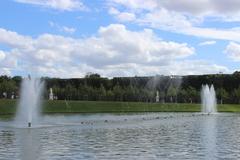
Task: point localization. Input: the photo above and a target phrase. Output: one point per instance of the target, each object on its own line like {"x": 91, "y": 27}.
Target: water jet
{"x": 208, "y": 98}
{"x": 30, "y": 100}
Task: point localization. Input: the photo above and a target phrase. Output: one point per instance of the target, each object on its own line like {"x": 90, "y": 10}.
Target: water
{"x": 133, "y": 136}
{"x": 208, "y": 97}
{"x": 30, "y": 101}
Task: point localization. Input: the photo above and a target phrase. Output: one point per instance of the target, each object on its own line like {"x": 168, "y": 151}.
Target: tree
{"x": 92, "y": 75}
{"x": 85, "y": 92}
{"x": 222, "y": 94}
{"x": 110, "y": 95}
{"x": 102, "y": 92}
{"x": 70, "y": 92}
{"x": 9, "y": 87}
{"x": 117, "y": 91}
{"x": 130, "y": 93}
{"x": 236, "y": 94}
{"x": 192, "y": 94}
{"x": 172, "y": 93}
{"x": 17, "y": 80}
{"x": 183, "y": 96}
{"x": 161, "y": 96}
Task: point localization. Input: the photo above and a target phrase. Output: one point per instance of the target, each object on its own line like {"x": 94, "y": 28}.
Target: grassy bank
{"x": 9, "y": 107}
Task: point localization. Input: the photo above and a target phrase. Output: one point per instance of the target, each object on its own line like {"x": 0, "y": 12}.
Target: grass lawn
{"x": 9, "y": 107}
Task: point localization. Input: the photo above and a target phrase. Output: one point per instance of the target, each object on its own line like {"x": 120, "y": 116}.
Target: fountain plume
{"x": 30, "y": 101}
{"x": 208, "y": 97}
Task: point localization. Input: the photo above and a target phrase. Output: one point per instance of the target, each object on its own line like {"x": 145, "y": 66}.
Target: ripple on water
{"x": 170, "y": 136}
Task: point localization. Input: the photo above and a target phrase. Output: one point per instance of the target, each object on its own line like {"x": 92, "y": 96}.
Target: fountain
{"x": 208, "y": 97}
{"x": 28, "y": 108}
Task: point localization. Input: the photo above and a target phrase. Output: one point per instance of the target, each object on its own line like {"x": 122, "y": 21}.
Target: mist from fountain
{"x": 30, "y": 101}
{"x": 208, "y": 97}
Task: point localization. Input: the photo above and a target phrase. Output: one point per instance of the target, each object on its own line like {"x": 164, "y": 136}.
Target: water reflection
{"x": 209, "y": 137}
{"x": 29, "y": 142}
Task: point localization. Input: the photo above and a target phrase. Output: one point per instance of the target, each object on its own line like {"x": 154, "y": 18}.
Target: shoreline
{"x": 8, "y": 107}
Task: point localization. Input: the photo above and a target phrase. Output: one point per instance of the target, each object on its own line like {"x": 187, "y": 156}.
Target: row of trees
{"x": 173, "y": 89}
{"x": 132, "y": 93}
{"x": 9, "y": 86}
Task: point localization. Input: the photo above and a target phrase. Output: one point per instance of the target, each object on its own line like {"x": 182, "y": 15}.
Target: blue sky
{"x": 70, "y": 38}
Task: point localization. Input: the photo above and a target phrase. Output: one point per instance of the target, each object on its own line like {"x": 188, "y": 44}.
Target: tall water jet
{"x": 208, "y": 97}
{"x": 30, "y": 101}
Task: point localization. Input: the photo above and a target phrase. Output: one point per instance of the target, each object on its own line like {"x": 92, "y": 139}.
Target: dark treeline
{"x": 185, "y": 89}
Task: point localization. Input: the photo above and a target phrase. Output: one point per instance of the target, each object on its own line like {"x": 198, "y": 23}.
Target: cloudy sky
{"x": 69, "y": 38}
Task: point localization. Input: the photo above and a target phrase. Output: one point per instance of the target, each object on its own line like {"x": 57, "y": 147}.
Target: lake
{"x": 123, "y": 136}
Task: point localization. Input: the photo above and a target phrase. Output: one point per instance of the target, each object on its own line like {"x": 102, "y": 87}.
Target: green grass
{"x": 8, "y": 107}
{"x": 229, "y": 108}
{"x": 100, "y": 107}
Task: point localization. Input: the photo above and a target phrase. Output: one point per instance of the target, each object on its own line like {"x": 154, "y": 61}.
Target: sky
{"x": 71, "y": 38}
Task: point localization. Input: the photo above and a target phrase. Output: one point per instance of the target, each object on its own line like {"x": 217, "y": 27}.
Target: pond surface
{"x": 129, "y": 136}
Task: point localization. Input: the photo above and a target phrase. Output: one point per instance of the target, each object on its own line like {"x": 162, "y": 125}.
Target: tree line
{"x": 173, "y": 89}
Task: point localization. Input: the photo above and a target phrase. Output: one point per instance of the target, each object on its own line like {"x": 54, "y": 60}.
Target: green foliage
{"x": 118, "y": 93}
{"x": 93, "y": 87}
{"x": 192, "y": 95}
{"x": 8, "y": 86}
{"x": 172, "y": 93}
{"x": 222, "y": 95}
{"x": 236, "y": 95}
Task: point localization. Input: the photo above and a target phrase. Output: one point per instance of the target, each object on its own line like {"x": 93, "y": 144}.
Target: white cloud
{"x": 65, "y": 29}
{"x": 113, "y": 51}
{"x": 183, "y": 16}
{"x": 184, "y": 67}
{"x": 126, "y": 16}
{"x": 137, "y": 4}
{"x": 214, "y": 8}
{"x": 122, "y": 16}
{"x": 6, "y": 63}
{"x": 206, "y": 43}
{"x": 2, "y": 55}
{"x": 62, "y": 5}
{"x": 165, "y": 19}
{"x": 19, "y": 40}
{"x": 233, "y": 51}
{"x": 70, "y": 30}
{"x": 5, "y": 71}
{"x": 113, "y": 11}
